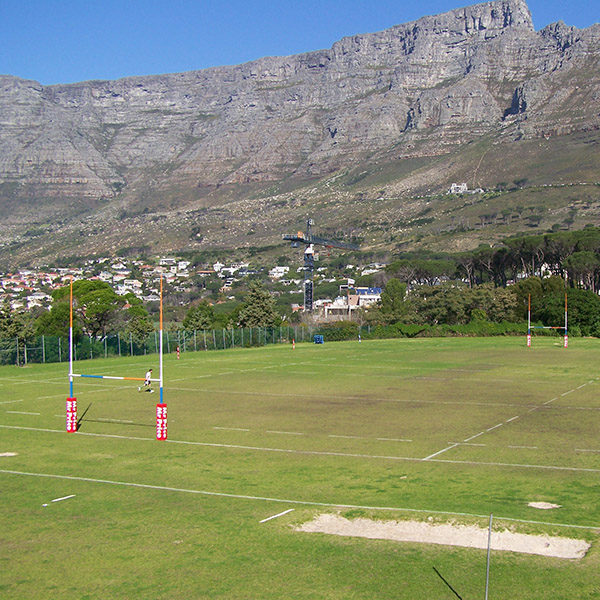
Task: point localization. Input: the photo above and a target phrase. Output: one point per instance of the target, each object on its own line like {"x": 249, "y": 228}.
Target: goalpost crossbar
{"x": 113, "y": 377}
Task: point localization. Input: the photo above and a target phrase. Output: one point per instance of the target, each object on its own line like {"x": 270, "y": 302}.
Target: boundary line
{"x": 284, "y": 500}
{"x": 318, "y": 452}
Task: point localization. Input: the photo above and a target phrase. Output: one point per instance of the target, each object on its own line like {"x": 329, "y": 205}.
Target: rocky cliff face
{"x": 413, "y": 90}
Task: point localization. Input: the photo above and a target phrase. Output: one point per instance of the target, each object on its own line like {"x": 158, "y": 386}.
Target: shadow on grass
{"x": 111, "y": 421}
{"x": 449, "y": 586}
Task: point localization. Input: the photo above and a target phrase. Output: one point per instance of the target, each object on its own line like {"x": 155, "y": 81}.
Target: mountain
{"x": 362, "y": 136}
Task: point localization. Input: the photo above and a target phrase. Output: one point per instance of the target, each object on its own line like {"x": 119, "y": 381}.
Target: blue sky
{"x": 66, "y": 41}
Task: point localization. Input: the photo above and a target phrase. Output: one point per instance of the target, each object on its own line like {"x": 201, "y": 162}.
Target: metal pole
{"x": 43, "y": 350}
{"x": 71, "y": 339}
{"x": 566, "y": 338}
{"x": 161, "y": 340}
{"x": 487, "y": 571}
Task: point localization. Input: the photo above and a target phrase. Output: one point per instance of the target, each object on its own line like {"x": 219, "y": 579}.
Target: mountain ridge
{"x": 127, "y": 151}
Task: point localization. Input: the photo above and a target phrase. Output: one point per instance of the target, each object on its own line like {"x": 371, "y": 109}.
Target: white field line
{"x": 19, "y": 412}
{"x": 343, "y": 397}
{"x": 285, "y": 512}
{"x": 231, "y": 428}
{"x": 63, "y": 498}
{"x": 11, "y": 401}
{"x": 451, "y": 447}
{"x": 330, "y": 435}
{"x": 440, "y": 452}
{"x": 284, "y": 500}
{"x": 312, "y": 452}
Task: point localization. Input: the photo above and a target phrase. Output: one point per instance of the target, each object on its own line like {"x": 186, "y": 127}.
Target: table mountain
{"x": 220, "y": 145}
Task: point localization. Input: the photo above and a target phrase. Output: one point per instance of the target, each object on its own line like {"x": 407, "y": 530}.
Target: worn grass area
{"x": 442, "y": 429}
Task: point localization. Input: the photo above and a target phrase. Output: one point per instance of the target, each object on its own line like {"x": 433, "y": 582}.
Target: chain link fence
{"x": 43, "y": 349}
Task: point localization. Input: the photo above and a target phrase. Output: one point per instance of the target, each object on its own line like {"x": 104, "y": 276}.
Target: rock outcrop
{"x": 413, "y": 90}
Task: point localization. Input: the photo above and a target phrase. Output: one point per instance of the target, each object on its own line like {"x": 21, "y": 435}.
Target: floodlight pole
{"x": 487, "y": 570}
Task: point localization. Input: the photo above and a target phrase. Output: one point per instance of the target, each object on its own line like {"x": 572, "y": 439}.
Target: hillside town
{"x": 28, "y": 289}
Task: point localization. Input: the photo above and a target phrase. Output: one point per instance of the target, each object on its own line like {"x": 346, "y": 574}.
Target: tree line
{"x": 571, "y": 255}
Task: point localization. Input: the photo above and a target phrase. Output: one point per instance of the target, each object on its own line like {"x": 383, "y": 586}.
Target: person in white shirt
{"x": 147, "y": 382}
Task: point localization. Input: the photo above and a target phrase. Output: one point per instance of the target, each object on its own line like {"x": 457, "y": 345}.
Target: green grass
{"x": 339, "y": 427}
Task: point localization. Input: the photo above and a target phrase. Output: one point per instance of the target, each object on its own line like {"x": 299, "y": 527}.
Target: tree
{"x": 392, "y": 305}
{"x": 96, "y": 307}
{"x": 198, "y": 317}
{"x": 258, "y": 309}
{"x": 15, "y": 324}
{"x": 582, "y": 268}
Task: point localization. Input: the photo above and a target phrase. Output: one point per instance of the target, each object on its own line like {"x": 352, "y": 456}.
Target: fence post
{"x": 59, "y": 350}
{"x": 25, "y": 351}
{"x": 43, "y": 350}
{"x": 195, "y": 349}
{"x": 119, "y": 343}
{"x": 91, "y": 354}
{"x": 214, "y": 340}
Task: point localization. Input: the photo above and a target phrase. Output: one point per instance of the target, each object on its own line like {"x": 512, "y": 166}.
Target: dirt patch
{"x": 543, "y": 505}
{"x": 468, "y": 536}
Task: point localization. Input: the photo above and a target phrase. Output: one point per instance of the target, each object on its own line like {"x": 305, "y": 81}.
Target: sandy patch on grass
{"x": 543, "y": 505}
{"x": 468, "y": 536}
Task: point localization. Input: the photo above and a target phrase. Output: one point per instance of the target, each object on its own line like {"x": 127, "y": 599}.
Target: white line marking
{"x": 440, "y": 452}
{"x": 18, "y": 412}
{"x": 285, "y": 432}
{"x": 8, "y": 454}
{"x": 525, "y": 447}
{"x": 111, "y": 420}
{"x": 285, "y": 512}
{"x": 283, "y": 500}
{"x": 513, "y": 418}
{"x": 63, "y": 498}
{"x": 549, "y": 401}
{"x": 468, "y": 444}
{"x": 495, "y": 427}
{"x": 474, "y": 436}
{"x": 346, "y": 437}
{"x": 231, "y": 428}
{"x": 314, "y": 452}
{"x": 585, "y": 450}
{"x": 10, "y": 401}
{"x": 393, "y": 440}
